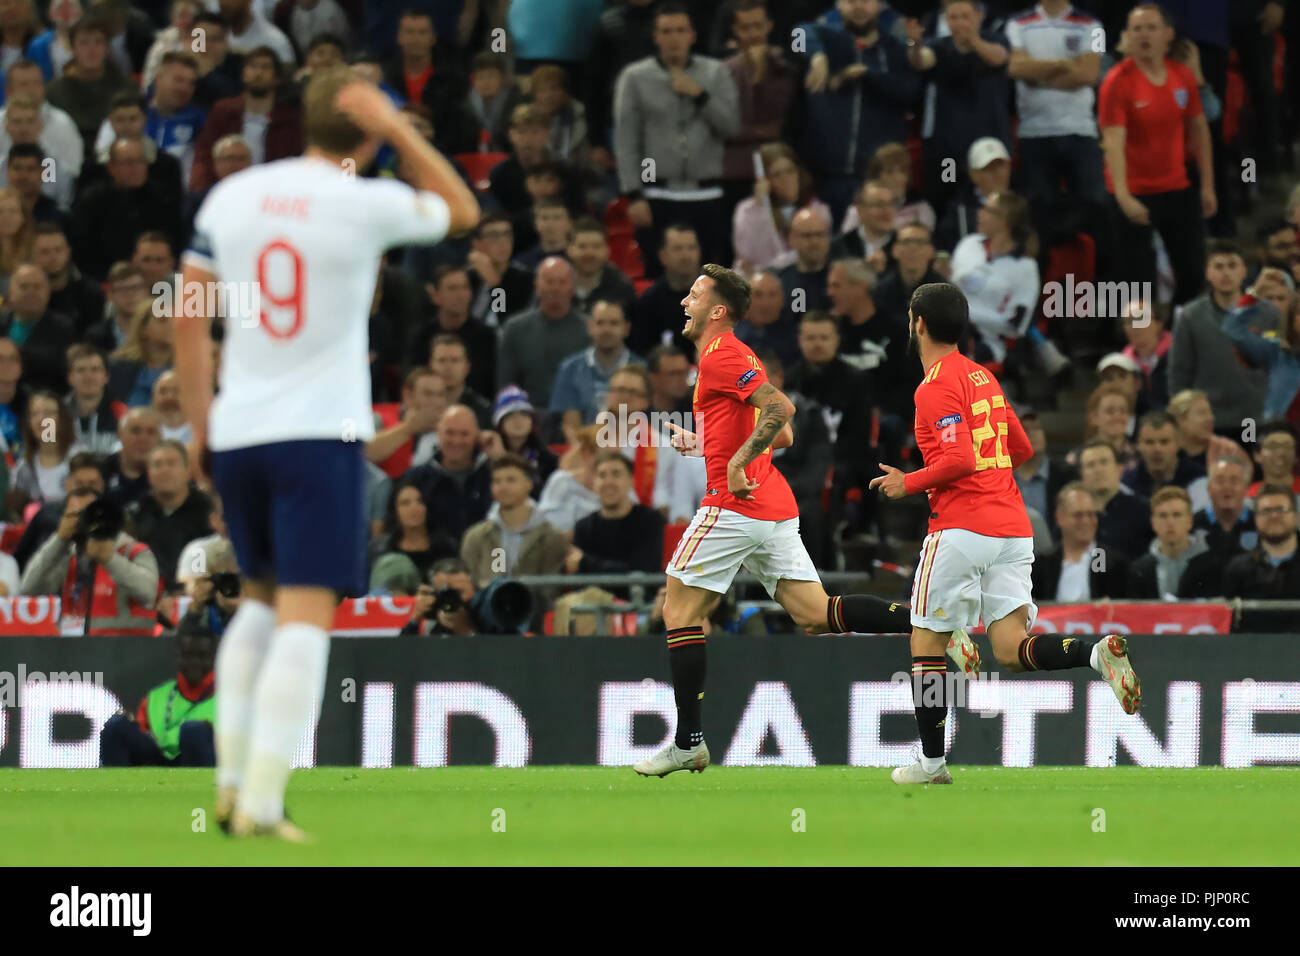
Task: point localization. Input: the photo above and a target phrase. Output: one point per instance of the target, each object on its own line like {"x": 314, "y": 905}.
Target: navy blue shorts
{"x": 296, "y": 512}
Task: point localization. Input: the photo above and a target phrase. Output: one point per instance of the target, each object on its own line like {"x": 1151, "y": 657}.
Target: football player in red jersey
{"x": 975, "y": 562}
{"x": 748, "y": 514}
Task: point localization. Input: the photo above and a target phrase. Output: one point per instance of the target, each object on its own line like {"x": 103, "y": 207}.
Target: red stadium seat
{"x": 479, "y": 166}
{"x": 672, "y": 535}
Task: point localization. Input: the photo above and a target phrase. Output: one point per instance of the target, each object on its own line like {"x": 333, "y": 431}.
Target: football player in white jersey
{"x": 294, "y": 246}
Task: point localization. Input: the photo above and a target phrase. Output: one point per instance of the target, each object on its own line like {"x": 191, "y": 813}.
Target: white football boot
{"x": 673, "y": 758}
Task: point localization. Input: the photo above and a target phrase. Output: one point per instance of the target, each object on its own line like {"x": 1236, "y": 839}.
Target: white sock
{"x": 288, "y": 696}
{"x": 1094, "y": 659}
{"x": 931, "y": 765}
{"x": 239, "y": 660}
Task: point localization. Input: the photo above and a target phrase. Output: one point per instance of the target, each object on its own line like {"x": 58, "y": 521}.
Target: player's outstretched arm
{"x": 194, "y": 356}
{"x": 367, "y": 106}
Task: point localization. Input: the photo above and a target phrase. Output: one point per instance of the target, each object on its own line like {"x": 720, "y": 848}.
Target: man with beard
{"x": 748, "y": 515}
{"x": 1271, "y": 570}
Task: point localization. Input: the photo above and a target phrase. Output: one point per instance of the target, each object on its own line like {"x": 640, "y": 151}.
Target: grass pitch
{"x": 610, "y": 817}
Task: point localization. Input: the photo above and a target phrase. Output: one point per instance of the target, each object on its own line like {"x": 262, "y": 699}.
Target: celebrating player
{"x": 748, "y": 516}
{"x": 289, "y": 427}
{"x": 975, "y": 561}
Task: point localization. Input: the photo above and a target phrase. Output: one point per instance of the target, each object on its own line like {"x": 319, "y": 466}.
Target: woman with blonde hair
{"x": 761, "y": 224}
{"x": 135, "y": 368}
{"x": 1110, "y": 407}
{"x": 17, "y": 233}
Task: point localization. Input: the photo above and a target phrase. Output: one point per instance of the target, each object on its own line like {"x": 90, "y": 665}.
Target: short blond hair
{"x": 323, "y": 124}
{"x": 1171, "y": 493}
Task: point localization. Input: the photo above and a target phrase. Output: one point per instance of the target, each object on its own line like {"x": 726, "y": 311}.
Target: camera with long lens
{"x": 444, "y": 599}
{"x": 99, "y": 521}
{"x": 225, "y": 583}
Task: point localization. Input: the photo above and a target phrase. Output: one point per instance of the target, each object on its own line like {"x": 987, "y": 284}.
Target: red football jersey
{"x": 1156, "y": 150}
{"x": 729, "y": 374}
{"x": 971, "y": 441}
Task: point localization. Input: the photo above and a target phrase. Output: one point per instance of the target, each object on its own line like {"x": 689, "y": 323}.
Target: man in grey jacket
{"x": 1203, "y": 357}
{"x": 672, "y": 115}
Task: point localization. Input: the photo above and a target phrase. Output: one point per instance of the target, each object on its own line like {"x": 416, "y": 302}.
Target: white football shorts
{"x": 964, "y": 577}
{"x": 717, "y": 542}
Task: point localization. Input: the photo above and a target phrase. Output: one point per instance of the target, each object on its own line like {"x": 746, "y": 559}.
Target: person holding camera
{"x": 108, "y": 581}
{"x": 449, "y": 604}
{"x": 210, "y": 577}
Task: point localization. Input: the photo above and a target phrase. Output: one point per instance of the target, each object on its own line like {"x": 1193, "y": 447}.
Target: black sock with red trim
{"x": 686, "y": 659}
{"x": 930, "y": 691}
{"x": 868, "y": 614}
{"x": 1055, "y": 652}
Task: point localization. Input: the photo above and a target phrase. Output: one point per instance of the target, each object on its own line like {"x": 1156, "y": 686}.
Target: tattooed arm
{"x": 776, "y": 411}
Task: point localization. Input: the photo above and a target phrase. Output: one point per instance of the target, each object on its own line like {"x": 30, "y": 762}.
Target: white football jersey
{"x": 296, "y": 247}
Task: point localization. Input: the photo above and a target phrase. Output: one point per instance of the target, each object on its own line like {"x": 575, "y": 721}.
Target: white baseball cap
{"x": 1117, "y": 360}
{"x": 984, "y": 151}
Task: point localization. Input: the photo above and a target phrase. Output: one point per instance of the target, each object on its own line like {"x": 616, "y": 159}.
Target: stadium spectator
{"x": 109, "y": 216}
{"x": 47, "y": 441}
{"x": 135, "y": 367}
{"x": 657, "y": 312}
{"x": 493, "y": 96}
{"x": 127, "y": 292}
{"x": 551, "y": 224}
{"x": 1276, "y": 457}
{"x": 569, "y": 494}
{"x": 22, "y": 128}
{"x": 1124, "y": 518}
{"x": 127, "y": 113}
{"x": 176, "y": 37}
{"x": 1271, "y": 570}
{"x": 971, "y": 98}
{"x": 94, "y": 423}
{"x": 449, "y": 357}
{"x": 325, "y": 52}
{"x": 804, "y": 279}
{"x": 869, "y": 341}
{"x": 409, "y": 532}
{"x": 582, "y": 382}
{"x": 861, "y": 89}
{"x": 625, "y": 425}
{"x": 514, "y": 529}
{"x": 12, "y": 396}
{"x": 1196, "y": 439}
{"x": 805, "y": 464}
{"x": 766, "y": 85}
{"x": 997, "y": 269}
{"x": 58, "y": 135}
{"x": 847, "y": 399}
{"x": 17, "y": 233}
{"x": 536, "y": 341}
{"x": 1160, "y": 462}
{"x": 1227, "y": 524}
{"x": 130, "y": 33}
{"x": 767, "y": 324}
{"x": 761, "y": 223}
{"x": 508, "y": 181}
{"x": 173, "y": 726}
{"x": 1079, "y": 570}
{"x": 42, "y": 334}
{"x": 515, "y": 420}
{"x": 52, "y": 50}
{"x": 1041, "y": 477}
{"x": 88, "y": 83}
{"x": 413, "y": 438}
{"x": 913, "y": 249}
{"x": 1149, "y": 343}
{"x": 1202, "y": 356}
{"x": 23, "y": 173}
{"x": 624, "y": 36}
{"x": 1279, "y": 246}
{"x": 166, "y": 401}
{"x": 306, "y": 22}
{"x": 670, "y": 390}
{"x": 868, "y": 230}
{"x": 674, "y": 111}
{"x": 1177, "y": 564}
{"x": 155, "y": 259}
{"x": 548, "y": 87}
{"x": 220, "y": 70}
{"x": 451, "y": 295}
{"x": 71, "y": 293}
{"x": 1270, "y": 304}
{"x": 595, "y": 278}
{"x": 270, "y": 122}
{"x": 172, "y": 513}
{"x": 83, "y": 475}
{"x": 1116, "y": 368}
{"x": 1152, "y": 126}
{"x": 501, "y": 288}
{"x": 126, "y": 471}
{"x": 111, "y": 584}
{"x": 200, "y": 561}
{"x": 988, "y": 164}
{"x": 173, "y": 121}
{"x": 449, "y": 573}
{"x": 891, "y": 166}
{"x": 622, "y": 536}
{"x": 250, "y": 31}
{"x": 411, "y": 72}
{"x": 456, "y": 482}
{"x": 1056, "y": 66}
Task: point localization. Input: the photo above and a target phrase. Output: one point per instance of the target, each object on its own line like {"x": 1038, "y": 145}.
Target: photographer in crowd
{"x": 108, "y": 581}
{"x": 449, "y": 604}
{"x": 210, "y": 577}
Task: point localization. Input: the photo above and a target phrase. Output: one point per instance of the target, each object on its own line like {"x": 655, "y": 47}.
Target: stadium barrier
{"x": 781, "y": 700}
